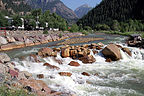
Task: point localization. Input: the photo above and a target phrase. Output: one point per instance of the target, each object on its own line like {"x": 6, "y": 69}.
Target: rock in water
{"x": 88, "y": 59}
{"x": 44, "y": 52}
{"x": 4, "y": 58}
{"x": 73, "y": 63}
{"x": 65, "y": 52}
{"x": 112, "y": 51}
{"x": 127, "y": 51}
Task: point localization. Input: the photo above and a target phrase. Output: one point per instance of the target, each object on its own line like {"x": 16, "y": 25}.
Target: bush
{"x": 85, "y": 32}
{"x": 45, "y": 32}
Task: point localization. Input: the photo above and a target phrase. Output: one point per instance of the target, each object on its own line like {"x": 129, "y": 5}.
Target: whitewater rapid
{"x": 119, "y": 78}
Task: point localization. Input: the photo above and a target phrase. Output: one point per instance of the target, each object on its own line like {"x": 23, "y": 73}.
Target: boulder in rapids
{"x": 65, "y": 74}
{"x": 87, "y": 59}
{"x": 85, "y": 74}
{"x": 40, "y": 76}
{"x": 73, "y": 63}
{"x": 127, "y": 51}
{"x": 51, "y": 66}
{"x": 44, "y": 52}
{"x": 65, "y": 52}
{"x": 112, "y": 51}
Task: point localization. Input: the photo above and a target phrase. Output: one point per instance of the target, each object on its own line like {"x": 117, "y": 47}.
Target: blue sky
{"x": 73, "y": 4}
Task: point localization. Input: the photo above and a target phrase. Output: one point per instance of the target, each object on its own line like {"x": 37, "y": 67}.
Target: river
{"x": 119, "y": 78}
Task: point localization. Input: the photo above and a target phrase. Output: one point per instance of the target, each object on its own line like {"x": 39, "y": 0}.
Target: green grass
{"x": 5, "y": 91}
{"x": 120, "y": 33}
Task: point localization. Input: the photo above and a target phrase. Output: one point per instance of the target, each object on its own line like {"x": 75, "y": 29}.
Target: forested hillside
{"x": 109, "y": 10}
{"x": 55, "y": 6}
{"x": 15, "y": 6}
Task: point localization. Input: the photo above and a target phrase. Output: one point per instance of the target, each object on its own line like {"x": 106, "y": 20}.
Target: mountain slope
{"x": 55, "y": 6}
{"x": 82, "y": 10}
{"x": 15, "y": 6}
{"x": 109, "y": 10}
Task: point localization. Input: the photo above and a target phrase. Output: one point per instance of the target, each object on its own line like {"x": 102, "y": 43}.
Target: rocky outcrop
{"x": 82, "y": 10}
{"x": 55, "y": 6}
{"x": 112, "y": 51}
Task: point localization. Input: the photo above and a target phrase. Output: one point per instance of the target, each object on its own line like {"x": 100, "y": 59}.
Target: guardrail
{"x": 3, "y": 31}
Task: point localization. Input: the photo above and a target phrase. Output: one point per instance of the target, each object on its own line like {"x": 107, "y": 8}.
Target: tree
{"x": 74, "y": 28}
{"x": 17, "y": 20}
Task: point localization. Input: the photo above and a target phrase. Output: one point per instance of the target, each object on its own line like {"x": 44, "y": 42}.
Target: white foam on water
{"x": 110, "y": 81}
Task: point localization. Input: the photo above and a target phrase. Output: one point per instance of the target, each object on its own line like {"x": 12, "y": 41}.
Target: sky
{"x": 73, "y": 4}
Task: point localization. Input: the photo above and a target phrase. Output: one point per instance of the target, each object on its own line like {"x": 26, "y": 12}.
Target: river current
{"x": 120, "y": 78}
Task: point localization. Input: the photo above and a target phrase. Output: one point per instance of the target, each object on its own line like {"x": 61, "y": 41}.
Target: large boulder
{"x": 44, "y": 52}
{"x": 4, "y": 58}
{"x": 112, "y": 51}
{"x": 65, "y": 52}
{"x": 87, "y": 59}
{"x": 3, "y": 40}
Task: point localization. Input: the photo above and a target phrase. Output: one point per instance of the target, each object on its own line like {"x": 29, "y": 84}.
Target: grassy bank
{"x": 122, "y": 33}
{"x": 5, "y": 91}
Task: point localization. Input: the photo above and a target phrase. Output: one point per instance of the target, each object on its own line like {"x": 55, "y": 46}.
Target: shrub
{"x": 45, "y": 32}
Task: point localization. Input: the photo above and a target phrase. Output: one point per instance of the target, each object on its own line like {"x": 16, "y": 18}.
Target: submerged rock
{"x": 51, "y": 66}
{"x": 112, "y": 51}
{"x": 85, "y": 74}
{"x": 65, "y": 74}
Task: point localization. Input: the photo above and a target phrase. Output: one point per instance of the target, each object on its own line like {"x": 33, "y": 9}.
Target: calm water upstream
{"x": 120, "y": 78}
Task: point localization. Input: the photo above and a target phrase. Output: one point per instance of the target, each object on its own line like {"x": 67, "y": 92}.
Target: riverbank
{"x": 20, "y": 39}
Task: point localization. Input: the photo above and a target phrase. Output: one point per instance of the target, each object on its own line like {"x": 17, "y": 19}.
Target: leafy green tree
{"x": 3, "y": 21}
{"x": 17, "y": 20}
{"x": 74, "y": 28}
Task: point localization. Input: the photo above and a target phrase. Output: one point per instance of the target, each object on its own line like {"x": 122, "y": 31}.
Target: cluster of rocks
{"x": 135, "y": 40}
{"x": 12, "y": 42}
{"x": 13, "y": 78}
{"x": 111, "y": 52}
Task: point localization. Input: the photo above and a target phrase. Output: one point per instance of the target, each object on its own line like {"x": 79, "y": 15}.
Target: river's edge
{"x": 25, "y": 80}
{"x": 14, "y": 41}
